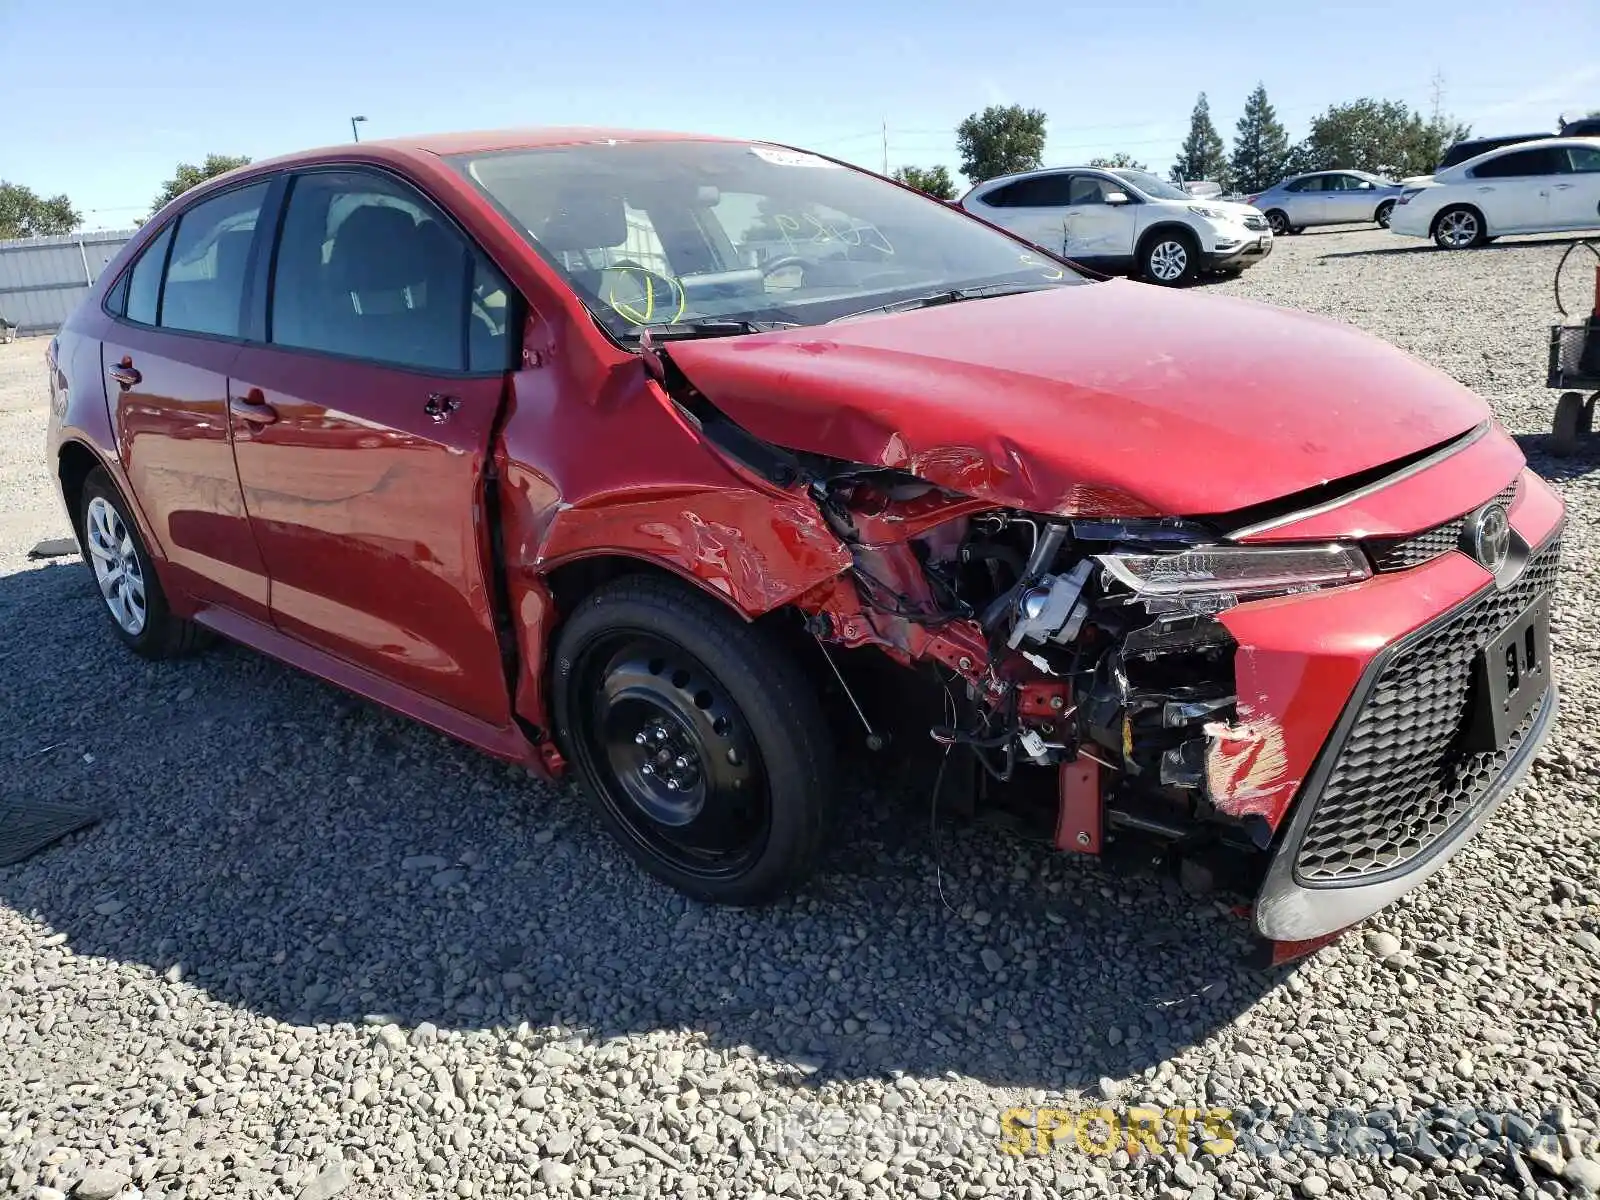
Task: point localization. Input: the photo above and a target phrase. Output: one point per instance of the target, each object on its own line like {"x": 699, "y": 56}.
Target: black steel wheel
{"x": 701, "y": 742}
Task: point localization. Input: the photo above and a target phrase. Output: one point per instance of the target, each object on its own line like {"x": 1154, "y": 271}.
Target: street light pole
{"x": 354, "y": 132}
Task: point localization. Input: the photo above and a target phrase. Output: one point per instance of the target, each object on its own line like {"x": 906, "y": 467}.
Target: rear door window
{"x": 1521, "y": 163}
{"x": 205, "y": 280}
{"x": 144, "y": 281}
{"x": 1042, "y": 191}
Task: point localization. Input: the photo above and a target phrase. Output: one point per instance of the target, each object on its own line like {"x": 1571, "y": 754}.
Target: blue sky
{"x": 101, "y": 100}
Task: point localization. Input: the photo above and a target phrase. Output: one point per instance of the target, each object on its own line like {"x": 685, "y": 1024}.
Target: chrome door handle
{"x": 125, "y": 374}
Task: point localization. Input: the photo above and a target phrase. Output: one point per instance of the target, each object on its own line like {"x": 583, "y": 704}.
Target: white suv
{"x": 1124, "y": 220}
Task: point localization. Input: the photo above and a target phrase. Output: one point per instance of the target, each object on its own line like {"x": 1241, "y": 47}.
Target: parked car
{"x": 1120, "y": 221}
{"x": 1327, "y": 198}
{"x": 1581, "y": 127}
{"x": 504, "y": 432}
{"x": 1547, "y": 186}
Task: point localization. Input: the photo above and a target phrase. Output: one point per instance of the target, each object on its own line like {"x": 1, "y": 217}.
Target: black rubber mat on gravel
{"x": 28, "y": 826}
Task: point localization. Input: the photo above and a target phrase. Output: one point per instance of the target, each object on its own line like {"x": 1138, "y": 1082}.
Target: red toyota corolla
{"x": 640, "y": 454}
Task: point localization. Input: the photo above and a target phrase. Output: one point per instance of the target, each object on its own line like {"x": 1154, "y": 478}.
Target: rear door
{"x": 1513, "y": 190}
{"x": 362, "y": 430}
{"x": 1033, "y": 208}
{"x": 1575, "y": 195}
{"x": 177, "y": 330}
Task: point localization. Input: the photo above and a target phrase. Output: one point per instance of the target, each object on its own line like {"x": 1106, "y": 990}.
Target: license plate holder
{"x": 1510, "y": 675}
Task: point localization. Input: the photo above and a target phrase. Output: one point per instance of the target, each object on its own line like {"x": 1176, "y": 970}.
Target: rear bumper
{"x": 1410, "y": 220}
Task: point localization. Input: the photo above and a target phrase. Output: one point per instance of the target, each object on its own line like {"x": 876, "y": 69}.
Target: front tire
{"x": 1458, "y": 227}
{"x": 126, "y": 577}
{"x": 1170, "y": 258}
{"x": 1385, "y": 211}
{"x": 700, "y": 741}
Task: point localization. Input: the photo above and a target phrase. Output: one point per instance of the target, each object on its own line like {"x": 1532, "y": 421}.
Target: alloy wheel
{"x": 1458, "y": 229}
{"x": 117, "y": 568}
{"x": 1169, "y": 260}
{"x": 673, "y": 756}
{"x": 1278, "y": 223}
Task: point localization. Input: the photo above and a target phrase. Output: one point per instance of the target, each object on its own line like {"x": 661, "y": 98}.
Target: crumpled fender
{"x": 569, "y": 487}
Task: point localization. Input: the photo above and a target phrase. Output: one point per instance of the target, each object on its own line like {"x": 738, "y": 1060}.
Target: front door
{"x": 177, "y": 326}
{"x": 363, "y": 429}
{"x": 1096, "y": 230}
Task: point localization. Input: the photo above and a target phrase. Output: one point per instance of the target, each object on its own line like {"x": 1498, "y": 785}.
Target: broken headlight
{"x": 1237, "y": 571}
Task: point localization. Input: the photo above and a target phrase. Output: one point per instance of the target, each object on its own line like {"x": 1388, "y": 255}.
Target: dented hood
{"x": 1106, "y": 398}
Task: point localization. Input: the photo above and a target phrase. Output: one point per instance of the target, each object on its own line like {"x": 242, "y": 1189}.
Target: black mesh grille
{"x": 1396, "y": 554}
{"x": 1401, "y": 779}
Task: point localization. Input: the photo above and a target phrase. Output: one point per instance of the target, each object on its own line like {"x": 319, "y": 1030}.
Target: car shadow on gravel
{"x": 1536, "y": 448}
{"x": 298, "y": 854}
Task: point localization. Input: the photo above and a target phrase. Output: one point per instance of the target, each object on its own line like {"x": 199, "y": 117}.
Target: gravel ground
{"x": 315, "y": 949}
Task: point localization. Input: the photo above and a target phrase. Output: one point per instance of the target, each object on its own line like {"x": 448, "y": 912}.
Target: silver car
{"x": 1327, "y": 198}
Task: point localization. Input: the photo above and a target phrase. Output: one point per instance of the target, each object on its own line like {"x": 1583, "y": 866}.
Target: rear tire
{"x": 1458, "y": 227}
{"x": 1278, "y": 221}
{"x": 126, "y": 577}
{"x": 1170, "y": 257}
{"x": 1385, "y": 211}
{"x": 701, "y": 742}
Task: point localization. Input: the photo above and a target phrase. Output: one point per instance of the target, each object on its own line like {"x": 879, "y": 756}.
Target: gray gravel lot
{"x": 317, "y": 950}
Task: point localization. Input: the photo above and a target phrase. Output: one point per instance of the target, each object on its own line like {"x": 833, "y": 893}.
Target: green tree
{"x": 1201, "y": 156}
{"x": 935, "y": 181}
{"x": 189, "y": 175}
{"x": 25, "y": 213}
{"x": 1118, "y": 160}
{"x": 1382, "y": 136}
{"x": 1001, "y": 140}
{"x": 1260, "y": 145}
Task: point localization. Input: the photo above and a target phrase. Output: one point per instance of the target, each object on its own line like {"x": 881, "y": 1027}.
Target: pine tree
{"x": 1202, "y": 155}
{"x": 1260, "y": 145}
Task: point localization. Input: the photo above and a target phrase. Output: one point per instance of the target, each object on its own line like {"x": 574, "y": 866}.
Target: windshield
{"x": 674, "y": 232}
{"x": 1153, "y": 186}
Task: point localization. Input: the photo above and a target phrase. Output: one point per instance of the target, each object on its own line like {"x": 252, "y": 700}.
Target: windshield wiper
{"x": 953, "y": 296}
{"x": 683, "y": 331}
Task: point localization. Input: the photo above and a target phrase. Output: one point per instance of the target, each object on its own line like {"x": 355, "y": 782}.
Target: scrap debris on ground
{"x": 316, "y": 950}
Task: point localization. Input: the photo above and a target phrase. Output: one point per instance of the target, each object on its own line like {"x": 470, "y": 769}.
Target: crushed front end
{"x": 1325, "y": 721}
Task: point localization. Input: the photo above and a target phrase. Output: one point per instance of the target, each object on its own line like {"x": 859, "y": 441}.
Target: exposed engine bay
{"x": 1087, "y": 646}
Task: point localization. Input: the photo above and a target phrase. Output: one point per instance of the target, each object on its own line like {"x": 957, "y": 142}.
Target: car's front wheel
{"x": 700, "y": 740}
{"x": 125, "y": 577}
{"x": 1278, "y": 220}
{"x": 1385, "y": 211}
{"x": 1458, "y": 228}
{"x": 1170, "y": 258}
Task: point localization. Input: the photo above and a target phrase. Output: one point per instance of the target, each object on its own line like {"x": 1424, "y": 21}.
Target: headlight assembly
{"x": 1241, "y": 571}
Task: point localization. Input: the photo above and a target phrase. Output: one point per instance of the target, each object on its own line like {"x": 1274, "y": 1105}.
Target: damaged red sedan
{"x": 645, "y": 456}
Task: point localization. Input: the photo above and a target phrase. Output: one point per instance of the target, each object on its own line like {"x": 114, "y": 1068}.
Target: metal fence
{"x": 43, "y": 278}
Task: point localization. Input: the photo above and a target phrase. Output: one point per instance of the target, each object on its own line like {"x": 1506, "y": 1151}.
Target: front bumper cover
{"x": 1288, "y": 910}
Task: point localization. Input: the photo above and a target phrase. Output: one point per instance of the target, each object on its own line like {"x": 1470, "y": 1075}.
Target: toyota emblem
{"x": 1491, "y": 536}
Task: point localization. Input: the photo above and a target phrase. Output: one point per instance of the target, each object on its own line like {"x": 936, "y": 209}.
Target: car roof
{"x": 487, "y": 141}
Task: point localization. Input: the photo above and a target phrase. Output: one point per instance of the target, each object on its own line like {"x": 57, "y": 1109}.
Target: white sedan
{"x": 1547, "y": 186}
